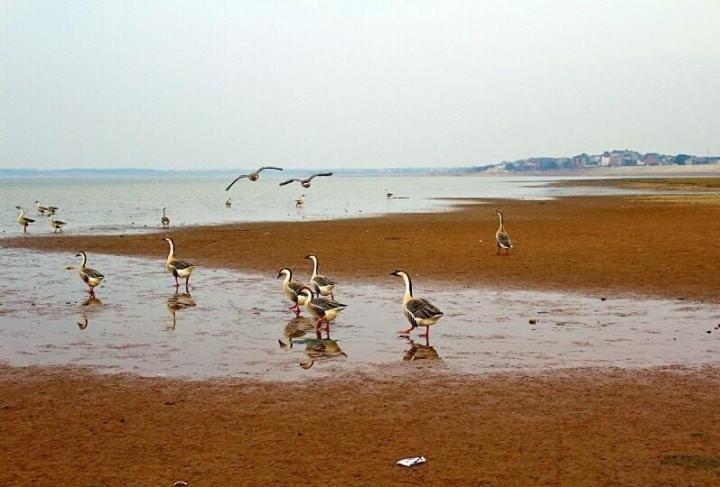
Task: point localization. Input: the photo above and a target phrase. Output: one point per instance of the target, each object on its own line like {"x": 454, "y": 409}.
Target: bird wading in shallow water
{"x": 22, "y": 220}
{"x": 253, "y": 176}
{"x": 417, "y": 311}
{"x": 178, "y": 268}
{"x": 291, "y": 289}
{"x": 322, "y": 309}
{"x": 323, "y": 285}
{"x": 165, "y": 221}
{"x": 89, "y": 276}
{"x": 56, "y": 224}
{"x": 501, "y": 236}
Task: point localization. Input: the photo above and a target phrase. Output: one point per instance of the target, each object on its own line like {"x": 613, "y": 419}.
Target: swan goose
{"x": 300, "y": 202}
{"x": 501, "y": 236}
{"x": 253, "y": 176}
{"x": 23, "y": 220}
{"x": 165, "y": 221}
{"x": 91, "y": 277}
{"x": 56, "y": 224}
{"x": 322, "y": 309}
{"x": 40, "y": 208}
{"x": 418, "y": 311}
{"x": 292, "y": 289}
{"x": 177, "y": 267}
{"x": 322, "y": 284}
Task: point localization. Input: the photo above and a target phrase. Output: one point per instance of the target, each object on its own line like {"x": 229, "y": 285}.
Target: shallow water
{"x": 238, "y": 319}
{"x": 112, "y": 205}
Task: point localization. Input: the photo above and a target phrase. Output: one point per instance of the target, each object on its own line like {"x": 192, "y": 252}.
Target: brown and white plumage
{"x": 178, "y": 267}
{"x": 322, "y": 309}
{"x": 417, "y": 311}
{"x": 89, "y": 276}
{"x": 292, "y": 289}
{"x": 56, "y": 224}
{"x": 22, "y": 220}
{"x": 253, "y": 176}
{"x": 305, "y": 182}
{"x": 40, "y": 208}
{"x": 165, "y": 221}
{"x": 502, "y": 237}
{"x": 322, "y": 285}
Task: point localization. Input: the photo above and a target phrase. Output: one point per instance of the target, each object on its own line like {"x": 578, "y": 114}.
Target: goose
{"x": 177, "y": 267}
{"x": 322, "y": 309}
{"x": 51, "y": 210}
{"x": 295, "y": 328}
{"x": 165, "y": 221}
{"x": 23, "y": 220}
{"x": 388, "y": 194}
{"x": 91, "y": 277}
{"x": 418, "y": 311}
{"x": 253, "y": 176}
{"x": 501, "y": 236}
{"x": 292, "y": 289}
{"x": 306, "y": 181}
{"x": 41, "y": 209}
{"x": 322, "y": 284}
{"x": 317, "y": 349}
{"x": 228, "y": 203}
{"x": 300, "y": 202}
{"x": 56, "y": 224}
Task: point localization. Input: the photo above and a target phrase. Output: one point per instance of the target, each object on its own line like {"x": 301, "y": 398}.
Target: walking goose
{"x": 177, "y": 267}
{"x": 322, "y": 284}
{"x": 56, "y": 224}
{"x": 292, "y": 289}
{"x": 253, "y": 176}
{"x": 23, "y": 220}
{"x": 322, "y": 309}
{"x": 418, "y": 311}
{"x": 91, "y": 277}
{"x": 501, "y": 236}
{"x": 306, "y": 181}
{"x": 165, "y": 221}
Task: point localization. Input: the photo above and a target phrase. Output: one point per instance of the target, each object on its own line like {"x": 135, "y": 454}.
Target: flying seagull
{"x": 253, "y": 176}
{"x": 306, "y": 182}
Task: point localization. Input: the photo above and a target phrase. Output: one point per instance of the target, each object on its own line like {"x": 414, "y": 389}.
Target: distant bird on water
{"x": 418, "y": 311}
{"x": 228, "y": 203}
{"x": 23, "y": 220}
{"x": 177, "y": 267}
{"x": 306, "y": 182}
{"x": 56, "y": 224}
{"x": 91, "y": 277}
{"x": 323, "y": 285}
{"x": 300, "y": 202}
{"x": 501, "y": 236}
{"x": 40, "y": 208}
{"x": 165, "y": 221}
{"x": 253, "y": 176}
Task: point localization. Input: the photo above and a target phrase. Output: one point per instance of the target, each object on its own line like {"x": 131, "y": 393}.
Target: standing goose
{"x": 418, "y": 311}
{"x": 40, "y": 208}
{"x": 228, "y": 203}
{"x": 300, "y": 202}
{"x": 91, "y": 277}
{"x": 322, "y": 309}
{"x": 253, "y": 176}
{"x": 165, "y": 221}
{"x": 23, "y": 220}
{"x": 501, "y": 236}
{"x": 322, "y": 284}
{"x": 306, "y": 182}
{"x": 56, "y": 224}
{"x": 292, "y": 289}
{"x": 177, "y": 267}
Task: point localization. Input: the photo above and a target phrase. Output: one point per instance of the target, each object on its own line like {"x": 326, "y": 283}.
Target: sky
{"x": 352, "y": 84}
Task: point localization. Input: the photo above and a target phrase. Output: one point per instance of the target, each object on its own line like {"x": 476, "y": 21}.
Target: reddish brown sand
{"x": 613, "y": 427}
{"x": 653, "y": 246}
{"x": 590, "y": 427}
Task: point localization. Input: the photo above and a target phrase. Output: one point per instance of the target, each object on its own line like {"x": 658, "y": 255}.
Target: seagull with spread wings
{"x": 306, "y": 182}
{"x": 253, "y": 176}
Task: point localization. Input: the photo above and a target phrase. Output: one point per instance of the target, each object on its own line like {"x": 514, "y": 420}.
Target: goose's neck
{"x": 163, "y": 212}
{"x": 315, "y": 268}
{"x": 286, "y": 279}
{"x": 84, "y": 261}
{"x": 408, "y": 287}
{"x": 171, "y": 254}
{"x": 502, "y": 225}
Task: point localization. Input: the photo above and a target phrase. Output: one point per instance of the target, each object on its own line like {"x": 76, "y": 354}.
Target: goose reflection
{"x": 92, "y": 300}
{"x": 320, "y": 349}
{"x": 179, "y": 301}
{"x": 420, "y": 352}
{"x": 295, "y": 328}
{"x": 83, "y": 324}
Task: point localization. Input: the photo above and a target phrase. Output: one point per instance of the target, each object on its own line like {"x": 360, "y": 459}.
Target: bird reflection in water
{"x": 91, "y": 304}
{"x": 179, "y": 301}
{"x": 320, "y": 349}
{"x": 295, "y": 328}
{"x": 83, "y": 324}
{"x": 420, "y": 352}
{"x": 92, "y": 300}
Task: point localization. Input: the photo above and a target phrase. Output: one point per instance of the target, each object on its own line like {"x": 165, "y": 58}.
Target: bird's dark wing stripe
{"x": 93, "y": 273}
{"x": 288, "y": 181}
{"x": 269, "y": 167}
{"x": 235, "y": 181}
{"x": 422, "y": 309}
{"x": 504, "y": 240}
{"x": 182, "y": 264}
{"x": 323, "y": 281}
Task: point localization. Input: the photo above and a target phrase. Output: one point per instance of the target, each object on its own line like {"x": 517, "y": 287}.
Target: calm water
{"x": 239, "y": 325}
{"x": 94, "y": 205}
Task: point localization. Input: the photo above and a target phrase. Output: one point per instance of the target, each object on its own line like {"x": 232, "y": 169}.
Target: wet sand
{"x": 587, "y": 427}
{"x": 645, "y": 245}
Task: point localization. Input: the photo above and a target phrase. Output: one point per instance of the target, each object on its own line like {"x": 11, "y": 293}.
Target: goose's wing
{"x": 269, "y": 167}
{"x": 93, "y": 273}
{"x": 236, "y": 180}
{"x": 29, "y": 220}
{"x": 422, "y": 309}
{"x": 503, "y": 239}
{"x": 326, "y": 304}
{"x": 181, "y": 264}
{"x": 295, "y": 286}
{"x": 58, "y": 222}
{"x": 289, "y": 181}
{"x": 323, "y": 281}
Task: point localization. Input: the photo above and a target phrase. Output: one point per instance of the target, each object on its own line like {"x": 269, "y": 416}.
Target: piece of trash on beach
{"x": 410, "y": 462}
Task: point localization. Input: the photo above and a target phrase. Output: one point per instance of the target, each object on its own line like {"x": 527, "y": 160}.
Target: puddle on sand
{"x": 237, "y": 325}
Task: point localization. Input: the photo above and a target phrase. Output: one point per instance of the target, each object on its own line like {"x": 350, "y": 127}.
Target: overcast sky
{"x": 214, "y": 84}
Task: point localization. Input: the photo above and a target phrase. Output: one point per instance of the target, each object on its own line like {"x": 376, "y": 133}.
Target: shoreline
{"x": 645, "y": 245}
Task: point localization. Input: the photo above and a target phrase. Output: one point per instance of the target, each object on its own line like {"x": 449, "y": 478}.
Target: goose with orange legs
{"x": 177, "y": 267}
{"x": 417, "y": 311}
{"x": 322, "y": 309}
{"x": 291, "y": 289}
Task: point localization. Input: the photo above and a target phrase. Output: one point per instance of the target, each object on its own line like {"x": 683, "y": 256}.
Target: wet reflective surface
{"x": 231, "y": 324}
